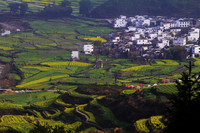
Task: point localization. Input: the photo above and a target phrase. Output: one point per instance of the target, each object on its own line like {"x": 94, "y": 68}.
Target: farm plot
{"x": 16, "y": 122}
{"x": 156, "y": 123}
{"x": 27, "y": 98}
{"x": 168, "y": 89}
{"x": 141, "y": 125}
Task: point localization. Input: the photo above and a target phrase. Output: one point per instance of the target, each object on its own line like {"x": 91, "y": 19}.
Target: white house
{"x": 181, "y": 41}
{"x": 153, "y": 36}
{"x": 116, "y": 39}
{"x": 193, "y": 35}
{"x": 146, "y": 22}
{"x": 163, "y": 44}
{"x": 135, "y": 37}
{"x": 143, "y": 41}
{"x": 75, "y": 55}
{"x": 166, "y": 25}
{"x": 182, "y": 23}
{"x": 88, "y": 48}
{"x": 175, "y": 31}
{"x": 120, "y": 22}
{"x": 196, "y": 50}
{"x": 131, "y": 28}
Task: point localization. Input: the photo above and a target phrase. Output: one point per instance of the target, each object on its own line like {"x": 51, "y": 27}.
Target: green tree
{"x": 178, "y": 53}
{"x": 85, "y": 7}
{"x": 183, "y": 111}
{"x": 18, "y": 8}
{"x": 14, "y": 8}
{"x": 48, "y": 129}
{"x": 23, "y": 7}
{"x": 117, "y": 75}
{"x": 65, "y": 3}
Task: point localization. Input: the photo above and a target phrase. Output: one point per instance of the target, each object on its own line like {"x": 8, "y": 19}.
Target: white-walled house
{"x": 120, "y": 22}
{"x": 175, "y": 31}
{"x": 182, "y": 23}
{"x": 143, "y": 41}
{"x": 116, "y": 39}
{"x": 181, "y": 41}
{"x": 131, "y": 28}
{"x": 166, "y": 26}
{"x": 135, "y": 37}
{"x": 193, "y": 35}
{"x": 196, "y": 50}
{"x": 163, "y": 44}
{"x": 153, "y": 36}
{"x": 75, "y": 55}
{"x": 88, "y": 48}
{"x": 146, "y": 22}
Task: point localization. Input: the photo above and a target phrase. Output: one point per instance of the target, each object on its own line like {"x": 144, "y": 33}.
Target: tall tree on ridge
{"x": 85, "y": 7}
{"x": 183, "y": 111}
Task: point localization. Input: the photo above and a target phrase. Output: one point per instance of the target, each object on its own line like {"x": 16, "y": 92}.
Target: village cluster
{"x": 152, "y": 34}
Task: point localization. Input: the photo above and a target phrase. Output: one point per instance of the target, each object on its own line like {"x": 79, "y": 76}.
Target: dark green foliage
{"x": 18, "y": 8}
{"x": 117, "y": 75}
{"x": 114, "y": 8}
{"x": 85, "y": 7}
{"x": 178, "y": 53}
{"x": 56, "y": 12}
{"x": 48, "y": 129}
{"x": 183, "y": 113}
{"x": 65, "y": 3}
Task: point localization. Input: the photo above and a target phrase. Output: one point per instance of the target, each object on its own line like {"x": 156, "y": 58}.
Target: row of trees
{"x": 53, "y": 10}
{"x": 18, "y": 8}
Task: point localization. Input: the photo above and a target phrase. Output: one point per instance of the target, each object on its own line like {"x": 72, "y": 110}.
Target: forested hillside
{"x": 113, "y": 8}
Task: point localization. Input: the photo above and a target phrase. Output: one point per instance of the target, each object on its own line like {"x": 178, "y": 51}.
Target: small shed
{"x": 99, "y": 64}
{"x": 75, "y": 55}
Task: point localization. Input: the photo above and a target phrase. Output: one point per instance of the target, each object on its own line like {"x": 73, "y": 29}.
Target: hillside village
{"x": 145, "y": 37}
{"x": 151, "y": 35}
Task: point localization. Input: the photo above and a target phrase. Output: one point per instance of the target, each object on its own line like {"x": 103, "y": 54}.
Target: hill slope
{"x": 114, "y": 8}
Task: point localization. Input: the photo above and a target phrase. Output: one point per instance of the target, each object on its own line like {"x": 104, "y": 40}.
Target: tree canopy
{"x": 85, "y": 7}
{"x": 183, "y": 112}
{"x": 18, "y": 8}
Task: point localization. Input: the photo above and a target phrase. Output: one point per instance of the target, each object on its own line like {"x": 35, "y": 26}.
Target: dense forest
{"x": 113, "y": 8}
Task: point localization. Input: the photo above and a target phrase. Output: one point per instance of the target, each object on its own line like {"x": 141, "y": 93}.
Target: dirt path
{"x": 87, "y": 118}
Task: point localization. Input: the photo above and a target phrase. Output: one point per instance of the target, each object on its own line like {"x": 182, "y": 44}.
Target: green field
{"x": 39, "y": 60}
{"x": 74, "y": 4}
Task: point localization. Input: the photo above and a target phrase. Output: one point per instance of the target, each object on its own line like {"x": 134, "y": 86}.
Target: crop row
{"x": 18, "y": 123}
{"x": 152, "y": 124}
{"x": 167, "y": 88}
{"x": 155, "y": 121}
{"x": 96, "y": 39}
{"x": 66, "y": 63}
{"x": 42, "y": 80}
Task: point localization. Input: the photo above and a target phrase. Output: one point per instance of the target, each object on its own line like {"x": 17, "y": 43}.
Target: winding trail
{"x": 87, "y": 118}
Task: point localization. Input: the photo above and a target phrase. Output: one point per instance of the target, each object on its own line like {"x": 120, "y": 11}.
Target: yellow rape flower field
{"x": 41, "y": 80}
{"x": 136, "y": 68}
{"x": 6, "y": 48}
{"x": 96, "y": 39}
{"x": 41, "y": 68}
{"x": 66, "y": 63}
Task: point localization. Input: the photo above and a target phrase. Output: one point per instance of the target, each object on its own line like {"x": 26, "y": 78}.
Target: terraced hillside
{"x": 74, "y": 4}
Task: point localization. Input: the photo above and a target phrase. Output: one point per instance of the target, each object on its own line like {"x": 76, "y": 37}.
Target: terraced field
{"x": 153, "y": 124}
{"x": 74, "y": 4}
